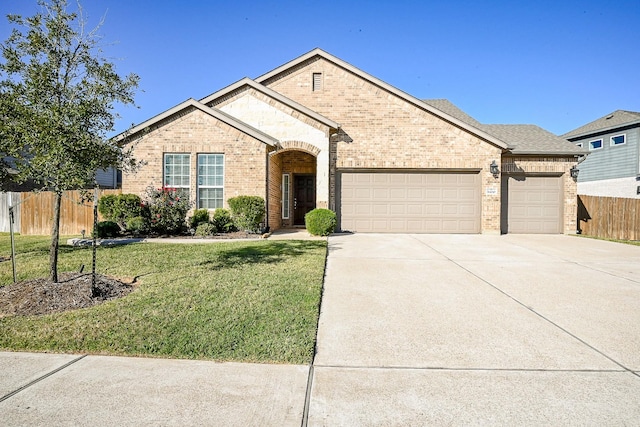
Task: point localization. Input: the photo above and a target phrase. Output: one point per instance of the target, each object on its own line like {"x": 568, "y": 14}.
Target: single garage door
{"x": 400, "y": 202}
{"x": 535, "y": 204}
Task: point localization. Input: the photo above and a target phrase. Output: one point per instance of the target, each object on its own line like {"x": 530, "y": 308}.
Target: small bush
{"x": 167, "y": 210}
{"x": 106, "y": 206}
{"x": 120, "y": 208}
{"x": 222, "y": 220}
{"x": 320, "y": 222}
{"x": 138, "y": 225}
{"x": 199, "y": 216}
{"x": 128, "y": 206}
{"x": 247, "y": 212}
{"x": 206, "y": 229}
{"x": 106, "y": 229}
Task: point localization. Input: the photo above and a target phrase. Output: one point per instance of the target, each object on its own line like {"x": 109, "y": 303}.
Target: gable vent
{"x": 317, "y": 82}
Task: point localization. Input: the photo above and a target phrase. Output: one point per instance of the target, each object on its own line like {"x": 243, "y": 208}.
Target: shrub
{"x": 138, "y": 225}
{"x": 247, "y": 212}
{"x": 222, "y": 220}
{"x": 167, "y": 210}
{"x": 106, "y": 206}
{"x": 320, "y": 222}
{"x": 128, "y": 206}
{"x": 199, "y": 216}
{"x": 106, "y": 229}
{"x": 205, "y": 229}
{"x": 120, "y": 208}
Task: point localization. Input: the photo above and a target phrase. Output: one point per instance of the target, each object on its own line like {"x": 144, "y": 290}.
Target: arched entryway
{"x": 292, "y": 187}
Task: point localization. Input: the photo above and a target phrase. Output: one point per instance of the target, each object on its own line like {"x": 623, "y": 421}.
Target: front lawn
{"x": 254, "y": 301}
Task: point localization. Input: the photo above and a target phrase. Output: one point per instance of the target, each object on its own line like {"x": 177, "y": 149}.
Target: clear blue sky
{"x": 557, "y": 64}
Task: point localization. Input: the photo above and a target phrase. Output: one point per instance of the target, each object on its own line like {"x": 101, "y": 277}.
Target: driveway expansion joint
{"x": 37, "y": 380}
{"x": 452, "y": 369}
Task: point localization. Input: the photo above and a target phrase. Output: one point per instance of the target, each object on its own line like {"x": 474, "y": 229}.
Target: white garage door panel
{"x": 535, "y": 205}
{"x": 410, "y": 202}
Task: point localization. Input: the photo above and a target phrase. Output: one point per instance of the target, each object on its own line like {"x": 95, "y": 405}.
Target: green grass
{"x": 234, "y": 301}
{"x": 626, "y": 242}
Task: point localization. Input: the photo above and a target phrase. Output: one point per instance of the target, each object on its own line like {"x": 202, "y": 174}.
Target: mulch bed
{"x": 73, "y": 291}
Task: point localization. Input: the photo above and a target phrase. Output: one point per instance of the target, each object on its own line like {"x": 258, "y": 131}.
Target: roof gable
{"x": 213, "y": 112}
{"x": 247, "y": 82}
{"x": 617, "y": 119}
{"x": 283, "y": 69}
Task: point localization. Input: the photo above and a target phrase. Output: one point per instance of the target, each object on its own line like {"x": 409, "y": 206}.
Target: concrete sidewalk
{"x": 72, "y": 390}
{"x": 414, "y": 330}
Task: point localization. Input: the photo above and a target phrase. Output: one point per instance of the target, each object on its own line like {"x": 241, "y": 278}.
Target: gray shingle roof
{"x": 446, "y": 106}
{"x": 522, "y": 139}
{"x": 532, "y": 139}
{"x": 611, "y": 121}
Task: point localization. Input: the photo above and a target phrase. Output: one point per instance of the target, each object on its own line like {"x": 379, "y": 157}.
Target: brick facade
{"x": 379, "y": 129}
{"x": 196, "y": 132}
{"x": 387, "y": 132}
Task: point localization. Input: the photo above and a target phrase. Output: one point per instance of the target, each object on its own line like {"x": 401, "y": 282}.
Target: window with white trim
{"x": 618, "y": 140}
{"x": 210, "y": 181}
{"x": 177, "y": 172}
{"x": 595, "y": 145}
{"x": 286, "y": 188}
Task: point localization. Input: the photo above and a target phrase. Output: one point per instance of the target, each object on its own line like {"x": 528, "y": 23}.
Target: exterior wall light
{"x": 574, "y": 172}
{"x": 494, "y": 169}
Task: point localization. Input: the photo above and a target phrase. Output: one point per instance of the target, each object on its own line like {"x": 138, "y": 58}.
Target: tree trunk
{"x": 55, "y": 238}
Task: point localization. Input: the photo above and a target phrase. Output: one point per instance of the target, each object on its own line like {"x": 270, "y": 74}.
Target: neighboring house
{"x": 612, "y": 168}
{"x": 108, "y": 178}
{"x": 318, "y": 132}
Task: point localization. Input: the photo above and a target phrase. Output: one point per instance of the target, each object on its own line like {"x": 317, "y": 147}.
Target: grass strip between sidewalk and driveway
{"x": 254, "y": 301}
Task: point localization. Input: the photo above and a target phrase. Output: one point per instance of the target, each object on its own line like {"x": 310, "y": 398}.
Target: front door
{"x": 304, "y": 197}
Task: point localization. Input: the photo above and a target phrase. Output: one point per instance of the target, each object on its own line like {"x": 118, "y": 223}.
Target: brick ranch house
{"x": 318, "y": 132}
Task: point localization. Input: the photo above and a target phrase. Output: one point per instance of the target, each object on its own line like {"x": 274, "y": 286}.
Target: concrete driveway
{"x": 459, "y": 330}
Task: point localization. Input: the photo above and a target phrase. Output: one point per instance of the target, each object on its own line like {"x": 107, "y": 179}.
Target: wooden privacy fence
{"x": 609, "y": 217}
{"x": 36, "y": 212}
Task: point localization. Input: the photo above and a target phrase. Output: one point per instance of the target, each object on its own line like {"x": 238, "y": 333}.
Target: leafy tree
{"x": 57, "y": 96}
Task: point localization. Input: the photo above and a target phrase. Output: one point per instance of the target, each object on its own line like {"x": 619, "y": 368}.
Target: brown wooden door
{"x": 304, "y": 197}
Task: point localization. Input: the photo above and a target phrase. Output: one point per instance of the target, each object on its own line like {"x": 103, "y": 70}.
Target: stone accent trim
{"x": 297, "y": 145}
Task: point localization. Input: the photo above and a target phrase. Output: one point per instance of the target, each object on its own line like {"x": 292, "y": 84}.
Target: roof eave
{"x": 220, "y": 115}
{"x": 598, "y": 131}
{"x": 517, "y": 152}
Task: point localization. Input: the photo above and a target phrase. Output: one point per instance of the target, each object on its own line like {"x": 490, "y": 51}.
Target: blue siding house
{"x": 612, "y": 168}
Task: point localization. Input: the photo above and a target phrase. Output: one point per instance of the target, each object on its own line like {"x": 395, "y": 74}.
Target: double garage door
{"x": 399, "y": 202}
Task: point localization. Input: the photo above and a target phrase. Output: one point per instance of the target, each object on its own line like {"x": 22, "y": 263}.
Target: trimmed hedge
{"x": 120, "y": 208}
{"x": 222, "y": 220}
{"x": 138, "y": 225}
{"x": 106, "y": 229}
{"x": 320, "y": 222}
{"x": 247, "y": 212}
{"x": 205, "y": 229}
{"x": 200, "y": 216}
